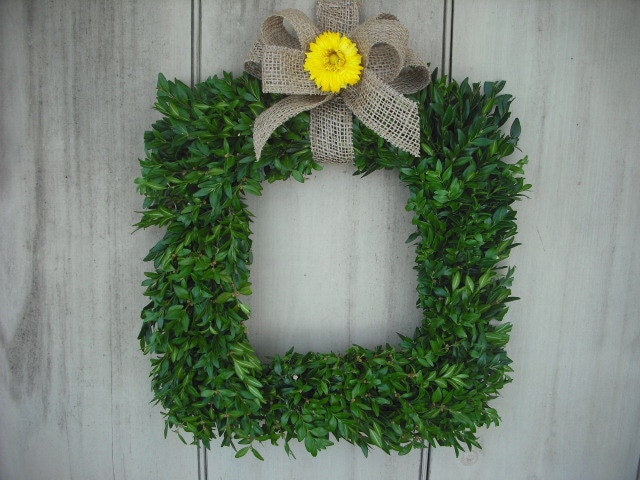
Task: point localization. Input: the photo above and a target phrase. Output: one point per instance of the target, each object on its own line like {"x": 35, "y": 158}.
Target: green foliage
{"x": 435, "y": 386}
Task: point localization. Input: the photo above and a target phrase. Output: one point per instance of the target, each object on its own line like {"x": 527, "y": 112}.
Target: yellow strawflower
{"x": 333, "y": 62}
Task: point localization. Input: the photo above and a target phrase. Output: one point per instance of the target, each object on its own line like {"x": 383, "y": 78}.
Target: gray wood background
{"x": 78, "y": 80}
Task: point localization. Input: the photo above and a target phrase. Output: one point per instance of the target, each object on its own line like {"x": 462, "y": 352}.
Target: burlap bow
{"x": 390, "y": 70}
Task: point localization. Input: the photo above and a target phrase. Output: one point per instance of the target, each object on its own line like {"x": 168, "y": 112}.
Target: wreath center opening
{"x": 330, "y": 264}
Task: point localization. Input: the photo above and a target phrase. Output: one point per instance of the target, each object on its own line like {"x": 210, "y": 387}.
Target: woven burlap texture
{"x": 391, "y": 69}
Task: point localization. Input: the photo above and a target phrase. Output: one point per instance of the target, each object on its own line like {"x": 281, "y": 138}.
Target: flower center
{"x": 334, "y": 60}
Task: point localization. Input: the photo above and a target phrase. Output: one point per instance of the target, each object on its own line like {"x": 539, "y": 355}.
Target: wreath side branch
{"x": 436, "y": 385}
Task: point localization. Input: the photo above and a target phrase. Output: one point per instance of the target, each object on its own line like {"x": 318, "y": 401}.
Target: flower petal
{"x": 385, "y": 111}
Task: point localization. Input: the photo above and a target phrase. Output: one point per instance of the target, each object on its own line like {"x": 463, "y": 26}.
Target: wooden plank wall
{"x": 573, "y": 410}
{"x": 78, "y": 82}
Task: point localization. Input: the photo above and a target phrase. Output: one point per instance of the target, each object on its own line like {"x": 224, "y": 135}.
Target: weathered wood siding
{"x": 573, "y": 410}
{"x": 78, "y": 80}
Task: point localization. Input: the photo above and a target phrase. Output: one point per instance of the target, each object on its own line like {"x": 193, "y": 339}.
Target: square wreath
{"x": 204, "y": 156}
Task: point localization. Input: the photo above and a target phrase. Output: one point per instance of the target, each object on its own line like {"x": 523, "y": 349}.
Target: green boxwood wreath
{"x": 435, "y": 386}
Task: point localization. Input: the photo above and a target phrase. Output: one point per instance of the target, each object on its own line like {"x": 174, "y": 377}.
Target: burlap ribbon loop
{"x": 274, "y": 32}
{"x": 383, "y": 45}
{"x": 391, "y": 69}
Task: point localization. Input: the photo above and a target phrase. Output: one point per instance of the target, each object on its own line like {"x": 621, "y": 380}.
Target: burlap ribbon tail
{"x": 391, "y": 69}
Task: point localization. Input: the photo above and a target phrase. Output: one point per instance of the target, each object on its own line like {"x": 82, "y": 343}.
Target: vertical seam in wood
{"x": 192, "y": 82}
{"x": 199, "y": 476}
{"x": 444, "y": 36}
{"x": 453, "y": 7}
{"x": 445, "y": 69}
{"x": 113, "y": 462}
{"x": 196, "y": 41}
{"x": 425, "y": 463}
{"x": 196, "y": 44}
{"x": 203, "y": 466}
{"x": 447, "y": 38}
{"x": 206, "y": 464}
